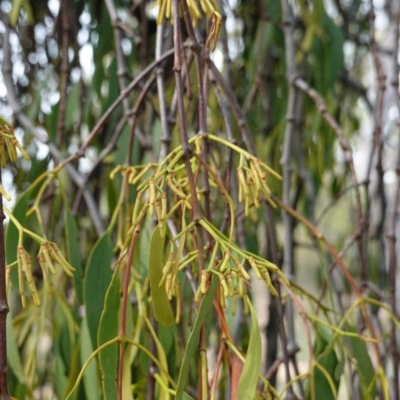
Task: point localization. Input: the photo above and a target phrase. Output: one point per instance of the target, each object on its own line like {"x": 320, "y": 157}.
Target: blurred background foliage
{"x": 338, "y": 47}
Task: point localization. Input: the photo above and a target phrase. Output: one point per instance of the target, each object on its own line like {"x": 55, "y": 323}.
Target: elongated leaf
{"x": 193, "y": 341}
{"x": 74, "y": 369}
{"x": 60, "y": 377}
{"x": 359, "y": 352}
{"x": 335, "y": 56}
{"x": 108, "y": 330}
{"x": 127, "y": 375}
{"x": 249, "y": 376}
{"x": 162, "y": 358}
{"x": 161, "y": 306}
{"x": 13, "y": 357}
{"x": 97, "y": 280}
{"x": 72, "y": 237}
{"x": 327, "y": 359}
{"x": 167, "y": 339}
{"x": 90, "y": 377}
{"x": 72, "y": 112}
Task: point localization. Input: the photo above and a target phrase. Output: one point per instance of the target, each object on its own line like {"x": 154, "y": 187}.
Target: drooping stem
{"x": 3, "y": 310}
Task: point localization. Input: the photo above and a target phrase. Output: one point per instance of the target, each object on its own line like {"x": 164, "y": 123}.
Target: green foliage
{"x": 324, "y": 374}
{"x": 108, "y": 329}
{"x": 193, "y": 341}
{"x": 129, "y": 238}
{"x": 161, "y": 306}
{"x": 97, "y": 280}
{"x": 248, "y": 379}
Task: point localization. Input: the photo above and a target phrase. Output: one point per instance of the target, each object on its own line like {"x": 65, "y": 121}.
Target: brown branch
{"x": 290, "y": 128}
{"x": 186, "y": 149}
{"x": 27, "y": 124}
{"x": 3, "y": 309}
{"x": 64, "y": 71}
{"x": 201, "y": 88}
{"x": 111, "y": 145}
{"x": 344, "y": 144}
{"x": 120, "y": 58}
{"x": 392, "y": 215}
{"x": 235, "y": 107}
{"x": 124, "y": 94}
{"x": 166, "y": 134}
{"x": 356, "y": 290}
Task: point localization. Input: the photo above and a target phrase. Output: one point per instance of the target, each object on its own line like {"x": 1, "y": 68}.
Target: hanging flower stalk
{"x": 8, "y": 148}
{"x": 209, "y": 8}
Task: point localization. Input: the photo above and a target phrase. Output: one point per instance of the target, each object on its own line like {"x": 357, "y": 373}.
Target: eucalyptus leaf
{"x": 189, "y": 356}
{"x": 161, "y": 305}
{"x": 97, "y": 281}
{"x": 363, "y": 364}
{"x": 72, "y": 241}
{"x": 248, "y": 379}
{"x": 90, "y": 376}
{"x": 327, "y": 359}
{"x": 109, "y": 325}
{"x": 13, "y": 356}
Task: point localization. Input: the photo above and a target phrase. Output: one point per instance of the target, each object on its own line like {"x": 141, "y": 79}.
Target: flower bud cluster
{"x": 49, "y": 255}
{"x": 209, "y": 8}
{"x": 230, "y": 270}
{"x": 252, "y": 180}
{"x": 9, "y": 141}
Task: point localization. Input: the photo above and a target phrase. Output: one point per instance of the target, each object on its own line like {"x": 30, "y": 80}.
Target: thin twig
{"x": 120, "y": 58}
{"x": 186, "y": 149}
{"x": 111, "y": 145}
{"x": 3, "y": 309}
{"x": 64, "y": 70}
{"x": 166, "y": 135}
{"x": 344, "y": 144}
{"x": 27, "y": 124}
{"x": 288, "y": 261}
{"x": 392, "y": 215}
{"x": 356, "y": 290}
{"x": 235, "y": 107}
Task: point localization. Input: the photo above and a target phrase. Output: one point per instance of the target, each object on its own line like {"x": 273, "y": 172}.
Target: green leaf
{"x": 73, "y": 108}
{"x": 108, "y": 330}
{"x": 327, "y": 359}
{"x": 162, "y": 358}
{"x": 251, "y": 369}
{"x": 73, "y": 370}
{"x": 90, "y": 376}
{"x": 60, "y": 376}
{"x": 335, "y": 57}
{"x": 72, "y": 240}
{"x": 97, "y": 280}
{"x": 167, "y": 339}
{"x": 161, "y": 306}
{"x": 193, "y": 341}
{"x": 359, "y": 352}
{"x": 13, "y": 357}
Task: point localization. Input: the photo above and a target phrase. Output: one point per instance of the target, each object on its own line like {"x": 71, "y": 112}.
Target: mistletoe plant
{"x": 48, "y": 255}
{"x": 136, "y": 254}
